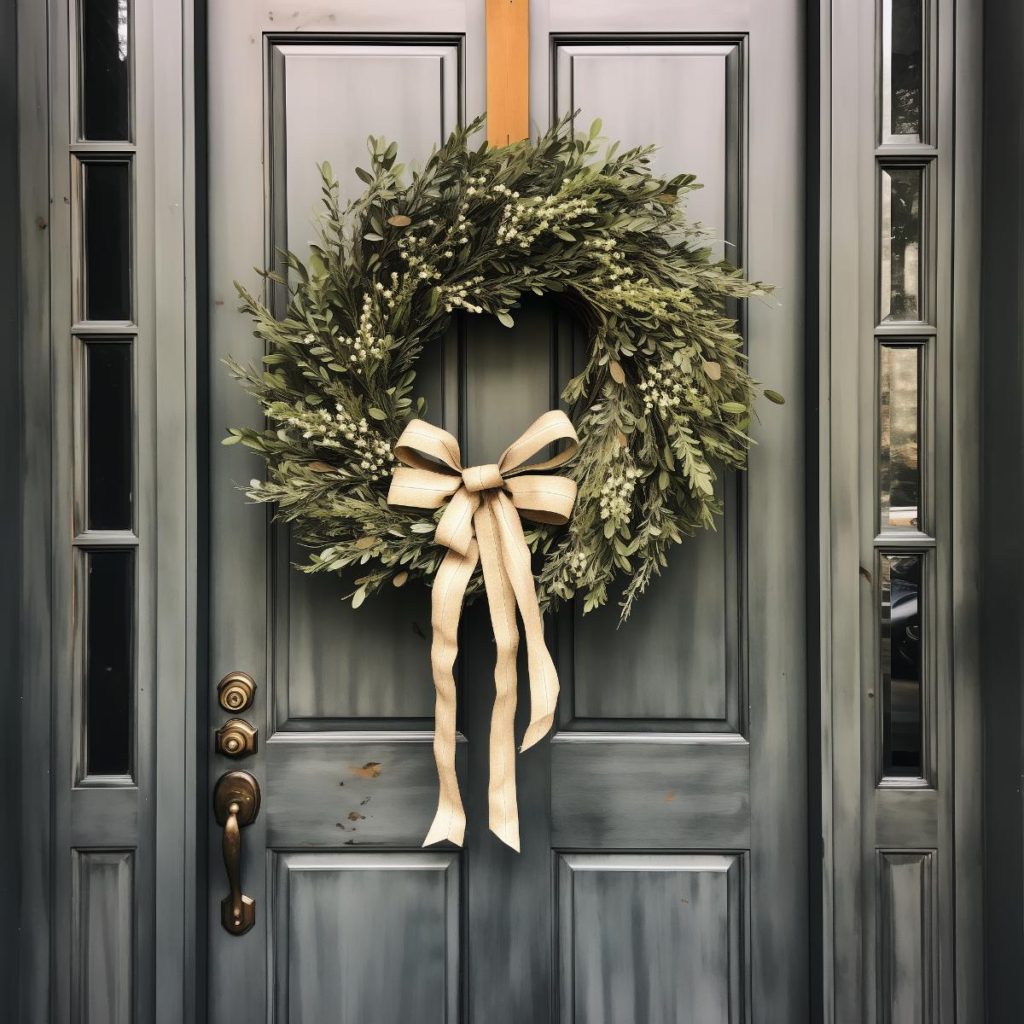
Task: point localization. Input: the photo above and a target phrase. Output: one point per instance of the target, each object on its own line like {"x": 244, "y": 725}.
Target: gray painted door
{"x": 663, "y": 872}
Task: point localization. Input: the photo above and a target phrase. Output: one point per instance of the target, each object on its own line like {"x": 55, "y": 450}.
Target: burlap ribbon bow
{"x": 481, "y": 523}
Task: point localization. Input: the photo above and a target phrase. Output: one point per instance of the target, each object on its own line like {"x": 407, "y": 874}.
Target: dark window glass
{"x": 901, "y": 243}
{"x": 105, "y": 69}
{"x": 902, "y": 679}
{"x": 902, "y": 92}
{"x": 109, "y": 679}
{"x": 109, "y": 435}
{"x": 107, "y": 226}
{"x": 899, "y": 436}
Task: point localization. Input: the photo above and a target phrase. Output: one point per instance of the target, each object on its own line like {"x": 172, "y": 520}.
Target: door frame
{"x": 172, "y": 249}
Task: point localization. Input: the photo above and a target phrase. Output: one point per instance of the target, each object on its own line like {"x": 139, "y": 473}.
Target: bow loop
{"x": 481, "y": 522}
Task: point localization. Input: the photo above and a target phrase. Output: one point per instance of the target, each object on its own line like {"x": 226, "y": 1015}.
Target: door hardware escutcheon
{"x": 237, "y": 738}
{"x": 236, "y": 803}
{"x": 235, "y": 691}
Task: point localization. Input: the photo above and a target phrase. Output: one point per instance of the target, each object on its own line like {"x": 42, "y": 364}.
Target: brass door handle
{"x": 236, "y": 802}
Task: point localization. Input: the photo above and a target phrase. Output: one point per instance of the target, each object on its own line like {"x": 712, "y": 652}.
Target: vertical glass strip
{"x": 901, "y": 665}
{"x": 109, "y": 476}
{"x": 900, "y": 272}
{"x": 107, "y": 251}
{"x": 104, "y": 70}
{"x": 109, "y": 674}
{"x": 899, "y": 467}
{"x": 902, "y": 70}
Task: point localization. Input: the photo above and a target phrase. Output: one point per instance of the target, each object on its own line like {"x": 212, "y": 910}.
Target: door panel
{"x": 671, "y": 795}
{"x": 674, "y": 661}
{"x": 683, "y": 957}
{"x": 347, "y": 925}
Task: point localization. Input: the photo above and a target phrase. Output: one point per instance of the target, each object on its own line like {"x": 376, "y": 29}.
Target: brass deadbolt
{"x": 236, "y": 738}
{"x": 235, "y": 691}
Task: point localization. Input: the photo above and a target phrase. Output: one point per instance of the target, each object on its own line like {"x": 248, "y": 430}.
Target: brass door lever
{"x": 236, "y": 802}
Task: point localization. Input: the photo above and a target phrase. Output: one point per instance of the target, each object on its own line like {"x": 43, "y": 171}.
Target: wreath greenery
{"x": 663, "y": 402}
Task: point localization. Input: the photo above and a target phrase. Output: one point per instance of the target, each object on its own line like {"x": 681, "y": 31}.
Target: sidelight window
{"x": 105, "y": 343}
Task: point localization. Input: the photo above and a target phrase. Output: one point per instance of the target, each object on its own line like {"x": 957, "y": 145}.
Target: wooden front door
{"x": 663, "y": 876}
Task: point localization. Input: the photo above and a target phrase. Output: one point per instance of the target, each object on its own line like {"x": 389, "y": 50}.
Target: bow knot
{"x": 481, "y": 523}
{"x": 483, "y": 478}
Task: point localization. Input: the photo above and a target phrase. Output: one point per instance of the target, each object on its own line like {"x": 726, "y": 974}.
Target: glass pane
{"x": 902, "y": 742}
{"x": 107, "y": 226}
{"x": 109, "y": 435}
{"x": 902, "y": 71}
{"x": 105, "y": 69}
{"x": 901, "y": 243}
{"x": 899, "y": 434}
{"x": 109, "y": 679}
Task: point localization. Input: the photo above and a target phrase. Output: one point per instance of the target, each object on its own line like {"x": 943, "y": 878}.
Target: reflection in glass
{"x": 901, "y": 243}
{"x": 109, "y": 679}
{"x": 902, "y": 70}
{"x": 108, "y": 376}
{"x": 901, "y": 617}
{"x": 106, "y": 188}
{"x": 105, "y": 69}
{"x": 899, "y": 436}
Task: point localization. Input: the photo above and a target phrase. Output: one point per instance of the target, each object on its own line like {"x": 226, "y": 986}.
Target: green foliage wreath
{"x": 663, "y": 402}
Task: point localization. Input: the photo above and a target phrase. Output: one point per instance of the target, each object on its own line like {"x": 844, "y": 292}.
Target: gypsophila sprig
{"x": 661, "y": 405}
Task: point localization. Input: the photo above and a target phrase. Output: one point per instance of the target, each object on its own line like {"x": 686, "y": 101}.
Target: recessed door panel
{"x": 657, "y": 939}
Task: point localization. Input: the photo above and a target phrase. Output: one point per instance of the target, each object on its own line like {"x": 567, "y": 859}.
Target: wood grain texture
{"x": 508, "y": 71}
{"x": 907, "y": 950}
{"x": 349, "y": 789}
{"x": 650, "y": 792}
{"x": 651, "y": 938}
{"x": 366, "y": 937}
{"x": 103, "y": 937}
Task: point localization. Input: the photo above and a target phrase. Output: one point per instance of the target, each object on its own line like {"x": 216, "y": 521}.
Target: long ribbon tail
{"x": 543, "y": 675}
{"x": 503, "y": 810}
{"x": 446, "y": 607}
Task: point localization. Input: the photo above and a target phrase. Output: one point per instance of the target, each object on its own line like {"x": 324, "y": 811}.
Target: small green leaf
{"x": 774, "y": 396}
{"x": 232, "y": 439}
{"x": 359, "y": 597}
{"x": 372, "y": 236}
{"x": 736, "y": 408}
{"x": 422, "y": 527}
{"x": 505, "y": 318}
{"x": 377, "y": 414}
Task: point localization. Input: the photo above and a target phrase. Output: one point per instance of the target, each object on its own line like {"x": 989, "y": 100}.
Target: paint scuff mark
{"x": 370, "y": 770}
{"x": 355, "y": 816}
{"x": 670, "y": 796}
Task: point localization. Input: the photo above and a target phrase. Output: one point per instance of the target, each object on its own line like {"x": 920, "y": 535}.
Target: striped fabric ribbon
{"x": 481, "y": 523}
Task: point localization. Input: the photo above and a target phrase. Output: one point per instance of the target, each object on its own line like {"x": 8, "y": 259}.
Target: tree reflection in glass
{"x": 902, "y": 68}
{"x": 899, "y": 432}
{"x": 901, "y": 243}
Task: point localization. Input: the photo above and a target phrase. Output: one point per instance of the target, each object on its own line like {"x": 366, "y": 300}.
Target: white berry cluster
{"x": 458, "y": 295}
{"x": 577, "y": 564}
{"x": 662, "y": 389}
{"x": 372, "y": 449}
{"x": 613, "y": 272}
{"x": 523, "y": 223}
{"x": 617, "y": 494}
{"x": 387, "y": 292}
{"x": 411, "y": 248}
